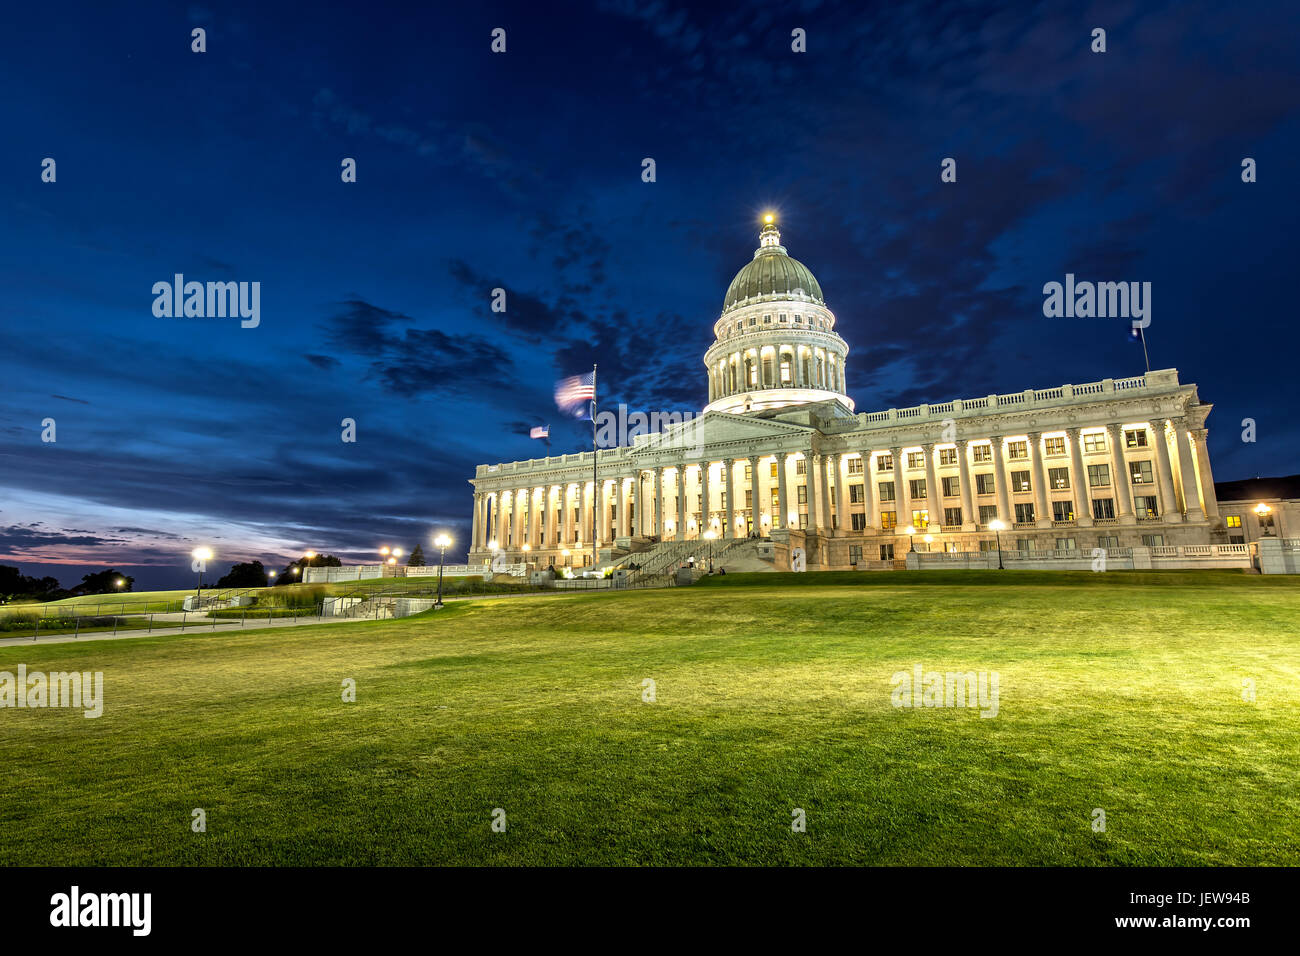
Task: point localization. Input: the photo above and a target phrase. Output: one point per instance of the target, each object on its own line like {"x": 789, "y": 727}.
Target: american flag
{"x": 540, "y": 431}
{"x": 573, "y": 394}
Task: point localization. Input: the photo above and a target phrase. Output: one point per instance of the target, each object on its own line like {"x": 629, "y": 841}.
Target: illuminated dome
{"x": 772, "y": 273}
{"x": 775, "y": 342}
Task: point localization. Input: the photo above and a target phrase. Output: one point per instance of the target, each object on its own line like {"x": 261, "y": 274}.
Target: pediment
{"x": 717, "y": 428}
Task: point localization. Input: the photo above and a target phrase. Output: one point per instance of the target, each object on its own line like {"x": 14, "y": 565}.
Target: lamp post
{"x": 928, "y": 539}
{"x": 442, "y": 541}
{"x": 1264, "y": 511}
{"x": 997, "y": 525}
{"x": 710, "y": 536}
{"x": 911, "y": 542}
{"x": 201, "y": 557}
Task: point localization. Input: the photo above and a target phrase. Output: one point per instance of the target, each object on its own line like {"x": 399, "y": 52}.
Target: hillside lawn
{"x": 1119, "y": 691}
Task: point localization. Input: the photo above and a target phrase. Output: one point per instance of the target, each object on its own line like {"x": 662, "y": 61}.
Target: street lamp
{"x": 928, "y": 539}
{"x": 710, "y": 536}
{"x": 442, "y": 541}
{"x": 911, "y": 543}
{"x": 1264, "y": 511}
{"x": 997, "y": 525}
{"x": 201, "y": 556}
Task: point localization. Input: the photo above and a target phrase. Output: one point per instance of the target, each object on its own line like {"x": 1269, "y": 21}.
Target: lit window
{"x": 1233, "y": 521}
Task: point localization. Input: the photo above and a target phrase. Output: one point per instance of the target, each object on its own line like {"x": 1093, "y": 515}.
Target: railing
{"x": 1064, "y": 523}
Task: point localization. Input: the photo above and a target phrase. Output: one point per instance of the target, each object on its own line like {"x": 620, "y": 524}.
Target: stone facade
{"x": 781, "y": 454}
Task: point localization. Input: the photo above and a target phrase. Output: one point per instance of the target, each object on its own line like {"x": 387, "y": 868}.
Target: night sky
{"x": 523, "y": 171}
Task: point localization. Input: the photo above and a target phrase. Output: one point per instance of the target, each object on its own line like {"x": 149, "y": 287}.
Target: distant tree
{"x": 104, "y": 582}
{"x": 416, "y": 560}
{"x": 288, "y": 576}
{"x": 246, "y": 574}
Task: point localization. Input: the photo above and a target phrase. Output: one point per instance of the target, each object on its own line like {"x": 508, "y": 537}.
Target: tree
{"x": 247, "y": 574}
{"x": 416, "y": 560}
{"x": 287, "y": 576}
{"x": 16, "y": 585}
{"x": 105, "y": 582}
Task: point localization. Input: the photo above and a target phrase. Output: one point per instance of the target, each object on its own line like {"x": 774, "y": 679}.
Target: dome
{"x": 772, "y": 272}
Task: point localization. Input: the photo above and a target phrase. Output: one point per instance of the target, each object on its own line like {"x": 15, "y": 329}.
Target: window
{"x": 1020, "y": 481}
{"x": 988, "y": 513}
{"x": 984, "y": 484}
{"x": 798, "y": 320}
{"x": 752, "y": 320}
{"x": 782, "y": 318}
{"x": 980, "y": 453}
{"x": 1232, "y": 521}
{"x": 947, "y": 456}
{"x": 1265, "y": 521}
{"x": 915, "y": 459}
{"x": 1103, "y": 508}
{"x": 988, "y": 545}
{"x": 1099, "y": 476}
{"x": 1094, "y": 442}
{"x": 1236, "y": 539}
{"x": 1054, "y": 446}
{"x": 859, "y": 522}
{"x": 801, "y": 466}
{"x": 1024, "y": 544}
{"x": 1065, "y": 544}
{"x": 776, "y": 503}
{"x": 952, "y": 517}
{"x": 749, "y": 500}
{"x": 1025, "y": 512}
{"x": 1135, "y": 438}
{"x": 803, "y": 522}
{"x": 785, "y": 370}
{"x": 753, "y": 374}
{"x": 916, "y": 488}
{"x": 920, "y": 519}
{"x": 1153, "y": 540}
{"x": 767, "y": 320}
{"x": 886, "y": 490}
{"x": 1108, "y": 541}
{"x": 749, "y": 473}
{"x": 1062, "y": 510}
{"x": 886, "y": 552}
{"x": 803, "y": 494}
{"x": 884, "y": 462}
{"x": 855, "y": 552}
{"x": 888, "y": 520}
{"x": 1058, "y": 478}
{"x": 1017, "y": 449}
{"x": 855, "y": 466}
{"x": 1146, "y": 506}
{"x": 855, "y": 494}
{"x": 951, "y": 487}
{"x": 1141, "y": 472}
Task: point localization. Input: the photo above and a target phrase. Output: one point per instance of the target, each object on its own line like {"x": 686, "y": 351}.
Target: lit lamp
{"x": 202, "y": 556}
{"x": 1264, "y": 511}
{"x": 909, "y": 531}
{"x": 928, "y": 539}
{"x": 442, "y": 541}
{"x": 997, "y": 526}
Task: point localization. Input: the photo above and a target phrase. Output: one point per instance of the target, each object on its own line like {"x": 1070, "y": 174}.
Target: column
{"x": 1119, "y": 477}
{"x": 681, "y": 502}
{"x": 1000, "y": 483}
{"x": 597, "y": 522}
{"x": 824, "y": 494}
{"x": 841, "y": 498}
{"x": 656, "y": 510}
{"x": 934, "y": 499}
{"x": 756, "y": 509}
{"x": 1209, "y": 500}
{"x": 584, "y": 511}
{"x": 968, "y": 515}
{"x": 902, "y": 507}
{"x": 868, "y": 491}
{"x": 563, "y": 537}
{"x": 781, "y": 515}
{"x": 704, "y": 500}
{"x": 729, "y": 517}
{"x": 1169, "y": 510}
{"x": 810, "y": 486}
{"x": 1193, "y": 505}
{"x": 1039, "y": 478}
{"x": 1079, "y": 487}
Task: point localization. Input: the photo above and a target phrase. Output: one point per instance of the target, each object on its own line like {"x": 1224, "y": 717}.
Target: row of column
{"x": 808, "y": 369}
{"x": 546, "y": 516}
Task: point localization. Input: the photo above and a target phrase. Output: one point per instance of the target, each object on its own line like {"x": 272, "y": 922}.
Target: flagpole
{"x": 595, "y": 496}
{"x": 1143, "y": 336}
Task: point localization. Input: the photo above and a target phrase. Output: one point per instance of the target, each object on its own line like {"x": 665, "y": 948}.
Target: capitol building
{"x": 782, "y": 460}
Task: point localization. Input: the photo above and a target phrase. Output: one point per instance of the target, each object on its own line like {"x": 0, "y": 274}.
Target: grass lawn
{"x": 1118, "y": 691}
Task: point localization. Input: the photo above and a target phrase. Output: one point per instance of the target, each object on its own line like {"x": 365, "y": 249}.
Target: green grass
{"x": 1117, "y": 691}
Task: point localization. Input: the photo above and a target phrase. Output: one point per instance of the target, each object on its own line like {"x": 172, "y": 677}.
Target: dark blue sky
{"x": 523, "y": 170}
